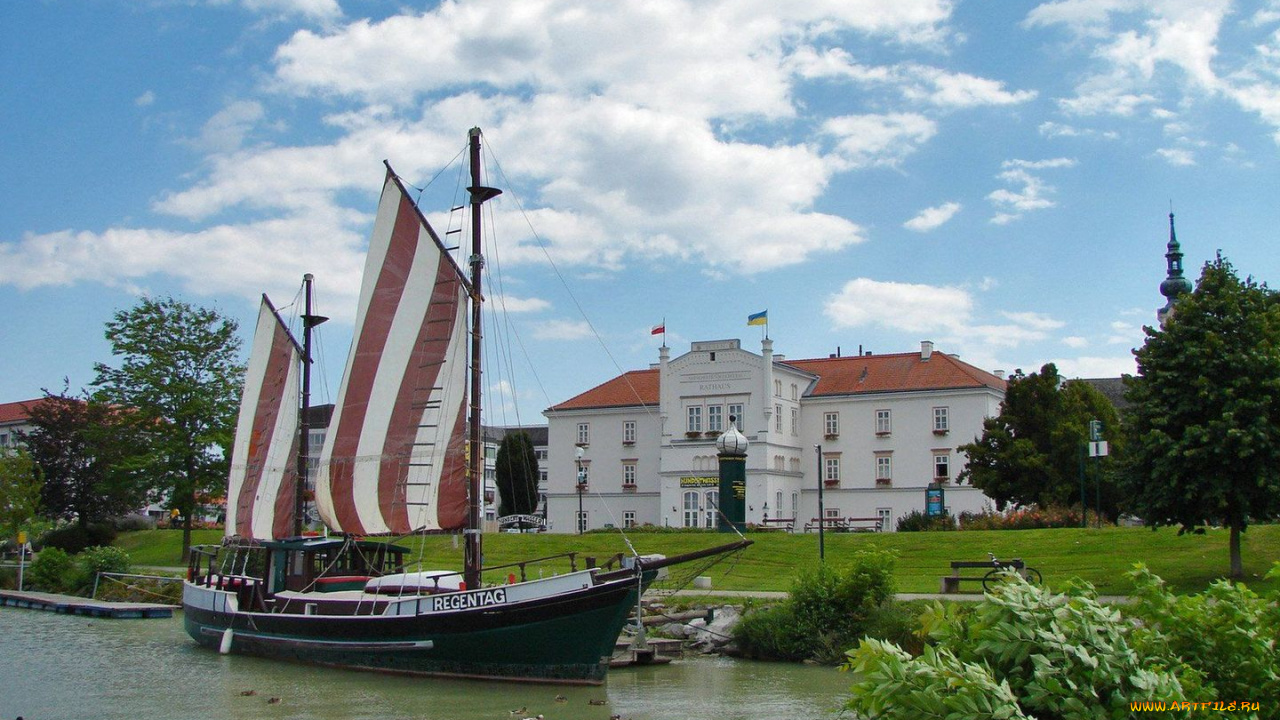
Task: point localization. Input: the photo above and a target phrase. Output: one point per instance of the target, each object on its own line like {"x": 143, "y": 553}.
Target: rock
{"x": 714, "y": 635}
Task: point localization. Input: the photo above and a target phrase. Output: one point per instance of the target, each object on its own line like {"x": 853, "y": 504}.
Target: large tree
{"x": 1205, "y": 424}
{"x": 83, "y": 449}
{"x": 19, "y": 492}
{"x": 179, "y": 373}
{"x": 517, "y": 475}
{"x": 1032, "y": 452}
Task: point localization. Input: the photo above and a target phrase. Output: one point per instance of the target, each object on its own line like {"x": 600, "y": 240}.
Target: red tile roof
{"x": 893, "y": 373}
{"x": 15, "y": 412}
{"x": 859, "y": 374}
{"x": 638, "y": 387}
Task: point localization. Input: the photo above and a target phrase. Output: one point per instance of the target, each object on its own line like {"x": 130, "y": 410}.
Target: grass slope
{"x": 1188, "y": 562}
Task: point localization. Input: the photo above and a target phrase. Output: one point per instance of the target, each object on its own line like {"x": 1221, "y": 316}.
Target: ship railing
{"x": 589, "y": 562}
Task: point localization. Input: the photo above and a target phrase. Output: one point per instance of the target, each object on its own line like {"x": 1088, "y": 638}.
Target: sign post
{"x": 1097, "y": 449}
{"x": 22, "y": 556}
{"x": 935, "y": 500}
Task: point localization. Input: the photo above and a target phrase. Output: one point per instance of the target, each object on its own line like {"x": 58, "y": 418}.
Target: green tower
{"x": 732, "y": 447}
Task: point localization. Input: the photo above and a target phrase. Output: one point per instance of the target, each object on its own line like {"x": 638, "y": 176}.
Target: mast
{"x": 304, "y": 442}
{"x": 475, "y": 491}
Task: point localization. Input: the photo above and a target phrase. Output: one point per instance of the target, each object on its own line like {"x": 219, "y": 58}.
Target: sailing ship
{"x": 402, "y": 455}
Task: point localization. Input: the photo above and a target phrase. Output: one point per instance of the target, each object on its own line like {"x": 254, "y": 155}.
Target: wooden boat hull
{"x": 566, "y": 637}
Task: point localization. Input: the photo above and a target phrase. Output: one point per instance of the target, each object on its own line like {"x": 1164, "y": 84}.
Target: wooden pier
{"x": 71, "y": 605}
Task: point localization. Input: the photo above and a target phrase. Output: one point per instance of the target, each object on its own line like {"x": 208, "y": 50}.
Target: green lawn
{"x": 1188, "y": 562}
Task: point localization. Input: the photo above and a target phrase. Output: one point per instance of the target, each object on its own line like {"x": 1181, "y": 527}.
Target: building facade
{"x": 874, "y": 430}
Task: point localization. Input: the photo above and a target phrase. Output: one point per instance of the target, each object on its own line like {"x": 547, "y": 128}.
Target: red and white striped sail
{"x": 261, "y": 494}
{"x": 394, "y": 458}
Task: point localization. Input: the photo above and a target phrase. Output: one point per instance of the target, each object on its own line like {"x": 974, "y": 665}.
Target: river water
{"x": 55, "y": 667}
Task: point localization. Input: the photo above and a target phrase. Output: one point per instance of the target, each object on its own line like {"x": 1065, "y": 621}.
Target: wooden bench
{"x": 845, "y": 524}
{"x": 951, "y": 583}
{"x": 774, "y": 524}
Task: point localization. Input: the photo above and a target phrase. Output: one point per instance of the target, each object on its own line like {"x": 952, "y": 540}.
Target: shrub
{"x": 49, "y": 571}
{"x": 1227, "y": 632}
{"x": 133, "y": 523}
{"x": 76, "y": 537}
{"x": 1057, "y": 656}
{"x": 96, "y": 560}
{"x": 1025, "y": 519}
{"x": 916, "y": 521}
{"x": 825, "y": 613}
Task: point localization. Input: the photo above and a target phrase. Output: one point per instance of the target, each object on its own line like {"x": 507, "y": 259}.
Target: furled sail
{"x": 394, "y": 457}
{"x": 261, "y": 494}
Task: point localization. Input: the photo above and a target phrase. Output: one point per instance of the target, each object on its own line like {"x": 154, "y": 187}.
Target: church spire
{"x": 1174, "y": 284}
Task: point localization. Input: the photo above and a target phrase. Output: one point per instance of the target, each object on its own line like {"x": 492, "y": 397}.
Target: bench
{"x": 845, "y": 524}
{"x": 951, "y": 583}
{"x": 775, "y": 524}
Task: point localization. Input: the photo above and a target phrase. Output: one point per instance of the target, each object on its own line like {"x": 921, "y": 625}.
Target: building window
{"x": 777, "y": 388}
{"x": 695, "y": 419}
{"x": 779, "y": 462}
{"x": 582, "y": 521}
{"x": 735, "y": 414}
{"x": 777, "y": 508}
{"x": 941, "y": 421}
{"x": 884, "y": 422}
{"x": 886, "y": 517}
{"x": 884, "y": 469}
{"x": 795, "y": 503}
{"x": 715, "y": 418}
{"x": 795, "y": 392}
{"x": 584, "y": 433}
{"x": 628, "y": 473}
{"x": 831, "y": 470}
{"x": 942, "y": 467}
{"x": 831, "y": 513}
{"x": 712, "y": 506}
{"x": 795, "y": 421}
{"x": 629, "y": 432}
{"x": 831, "y": 424}
{"x": 777, "y": 418}
{"x": 691, "y": 508}
{"x": 628, "y": 518}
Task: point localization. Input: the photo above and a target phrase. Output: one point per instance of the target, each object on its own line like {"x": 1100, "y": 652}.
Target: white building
{"x": 888, "y": 427}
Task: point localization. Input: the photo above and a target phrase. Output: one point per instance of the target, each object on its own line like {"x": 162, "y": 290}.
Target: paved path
{"x": 774, "y": 595}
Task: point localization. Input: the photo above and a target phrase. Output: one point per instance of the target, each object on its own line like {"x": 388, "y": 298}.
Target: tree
{"x": 82, "y": 448}
{"x": 1205, "y": 426}
{"x": 517, "y": 475}
{"x": 19, "y": 492}
{"x": 179, "y": 373}
{"x": 1032, "y": 452}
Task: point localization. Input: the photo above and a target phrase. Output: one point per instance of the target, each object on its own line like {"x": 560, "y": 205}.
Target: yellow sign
{"x": 22, "y": 537}
{"x": 699, "y": 482}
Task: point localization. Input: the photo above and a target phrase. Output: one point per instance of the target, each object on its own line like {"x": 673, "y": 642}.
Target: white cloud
{"x": 1036, "y": 321}
{"x": 1029, "y": 191}
{"x": 226, "y": 131}
{"x": 562, "y": 330}
{"x": 1096, "y": 367}
{"x": 315, "y": 9}
{"x": 1075, "y": 341}
{"x": 1177, "y": 156}
{"x": 900, "y": 306}
{"x": 925, "y": 84}
{"x": 870, "y": 140}
{"x": 145, "y": 99}
{"x": 932, "y": 218}
{"x": 1052, "y": 130}
{"x": 511, "y": 304}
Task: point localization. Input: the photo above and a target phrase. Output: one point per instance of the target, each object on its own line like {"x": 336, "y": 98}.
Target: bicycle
{"x": 997, "y": 573}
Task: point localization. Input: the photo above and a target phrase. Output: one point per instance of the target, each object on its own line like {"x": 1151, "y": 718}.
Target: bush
{"x": 96, "y": 560}
{"x": 133, "y": 523}
{"x": 1055, "y": 656}
{"x": 76, "y": 537}
{"x": 1025, "y": 519}
{"x": 916, "y": 521}
{"x": 825, "y": 613}
{"x": 50, "y": 571}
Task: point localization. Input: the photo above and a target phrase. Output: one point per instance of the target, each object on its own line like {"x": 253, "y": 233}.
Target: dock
{"x": 71, "y": 605}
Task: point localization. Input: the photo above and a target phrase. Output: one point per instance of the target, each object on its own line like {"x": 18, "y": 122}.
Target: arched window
{"x": 691, "y": 509}
{"x": 711, "y": 507}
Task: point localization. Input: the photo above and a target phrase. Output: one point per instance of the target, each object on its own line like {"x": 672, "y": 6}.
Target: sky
{"x": 994, "y": 177}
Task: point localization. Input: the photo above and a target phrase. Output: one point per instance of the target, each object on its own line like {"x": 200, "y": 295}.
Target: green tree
{"x": 517, "y": 475}
{"x": 179, "y": 373}
{"x": 19, "y": 492}
{"x": 1032, "y": 452}
{"x": 82, "y": 448}
{"x": 1205, "y": 425}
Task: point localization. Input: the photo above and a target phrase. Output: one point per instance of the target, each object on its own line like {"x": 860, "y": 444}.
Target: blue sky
{"x": 991, "y": 176}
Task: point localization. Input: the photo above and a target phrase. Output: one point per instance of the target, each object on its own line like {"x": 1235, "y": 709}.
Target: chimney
{"x": 926, "y": 350}
{"x": 999, "y": 374}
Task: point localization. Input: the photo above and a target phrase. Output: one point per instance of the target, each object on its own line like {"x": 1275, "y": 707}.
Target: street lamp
{"x": 582, "y": 484}
{"x": 822, "y": 549}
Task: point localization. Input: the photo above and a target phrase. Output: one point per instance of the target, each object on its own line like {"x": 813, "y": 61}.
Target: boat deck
{"x": 71, "y": 605}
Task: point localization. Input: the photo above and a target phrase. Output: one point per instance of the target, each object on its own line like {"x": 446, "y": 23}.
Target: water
{"x": 55, "y": 667}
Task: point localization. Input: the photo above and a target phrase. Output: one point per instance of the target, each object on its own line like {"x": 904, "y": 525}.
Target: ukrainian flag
{"x": 760, "y": 318}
